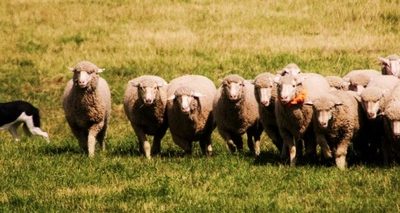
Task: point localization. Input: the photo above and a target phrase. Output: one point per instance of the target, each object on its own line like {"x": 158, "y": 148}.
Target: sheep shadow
{"x": 61, "y": 150}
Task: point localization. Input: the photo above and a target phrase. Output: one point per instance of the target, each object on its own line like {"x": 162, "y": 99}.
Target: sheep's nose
{"x": 148, "y": 101}
{"x": 324, "y": 124}
{"x": 371, "y": 115}
{"x": 265, "y": 102}
{"x": 233, "y": 97}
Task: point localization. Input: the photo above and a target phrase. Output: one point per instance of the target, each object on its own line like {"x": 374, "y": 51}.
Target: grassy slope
{"x": 39, "y": 39}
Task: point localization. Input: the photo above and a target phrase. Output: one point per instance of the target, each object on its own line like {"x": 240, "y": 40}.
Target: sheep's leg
{"x": 205, "y": 144}
{"x": 289, "y": 145}
{"x": 144, "y": 145}
{"x": 80, "y": 134}
{"x": 93, "y": 131}
{"x": 229, "y": 142}
{"x": 101, "y": 136}
{"x": 237, "y": 140}
{"x": 276, "y": 139}
{"x": 340, "y": 154}
{"x": 13, "y": 130}
{"x": 323, "y": 143}
{"x": 156, "y": 148}
{"x": 184, "y": 144}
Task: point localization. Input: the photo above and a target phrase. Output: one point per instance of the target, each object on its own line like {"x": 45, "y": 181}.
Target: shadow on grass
{"x": 61, "y": 149}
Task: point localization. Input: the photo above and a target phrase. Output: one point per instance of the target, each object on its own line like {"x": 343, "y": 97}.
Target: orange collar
{"x": 299, "y": 98}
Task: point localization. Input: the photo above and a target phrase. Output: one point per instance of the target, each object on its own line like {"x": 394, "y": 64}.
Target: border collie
{"x": 13, "y": 114}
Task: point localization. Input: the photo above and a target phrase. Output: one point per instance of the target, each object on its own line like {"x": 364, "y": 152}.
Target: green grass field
{"x": 41, "y": 38}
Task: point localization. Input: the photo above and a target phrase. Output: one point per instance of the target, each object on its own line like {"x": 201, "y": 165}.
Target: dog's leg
{"x": 34, "y": 130}
{"x": 13, "y": 130}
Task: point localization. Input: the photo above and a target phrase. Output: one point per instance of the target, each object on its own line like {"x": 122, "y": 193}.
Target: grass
{"x": 41, "y": 38}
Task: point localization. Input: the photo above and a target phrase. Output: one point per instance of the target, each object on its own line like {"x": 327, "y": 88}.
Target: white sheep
{"x": 290, "y": 69}
{"x": 87, "y": 105}
{"x": 189, "y": 111}
{"x": 266, "y": 94}
{"x": 145, "y": 103}
{"x": 337, "y": 83}
{"x": 359, "y": 79}
{"x": 391, "y": 113}
{"x": 336, "y": 123}
{"x": 390, "y": 65}
{"x": 293, "y": 117}
{"x": 236, "y": 113}
{"x": 373, "y": 95}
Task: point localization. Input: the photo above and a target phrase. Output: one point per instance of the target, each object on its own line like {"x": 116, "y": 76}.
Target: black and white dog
{"x": 13, "y": 114}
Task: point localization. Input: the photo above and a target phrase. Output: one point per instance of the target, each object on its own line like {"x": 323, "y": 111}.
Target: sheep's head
{"x": 187, "y": 99}
{"x": 233, "y": 87}
{"x": 371, "y": 98}
{"x": 337, "y": 82}
{"x": 84, "y": 72}
{"x": 263, "y": 89}
{"x": 358, "y": 83}
{"x": 390, "y": 65}
{"x": 148, "y": 90}
{"x": 287, "y": 87}
{"x": 392, "y": 114}
{"x": 290, "y": 69}
{"x": 323, "y": 108}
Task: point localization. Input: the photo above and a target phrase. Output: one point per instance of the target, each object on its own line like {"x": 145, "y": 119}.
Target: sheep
{"x": 236, "y": 112}
{"x": 373, "y": 95}
{"x": 145, "y": 102}
{"x": 293, "y": 117}
{"x": 336, "y": 123}
{"x": 359, "y": 79}
{"x": 390, "y": 65}
{"x": 337, "y": 83}
{"x": 290, "y": 69}
{"x": 265, "y": 92}
{"x": 391, "y": 114}
{"x": 87, "y": 105}
{"x": 189, "y": 111}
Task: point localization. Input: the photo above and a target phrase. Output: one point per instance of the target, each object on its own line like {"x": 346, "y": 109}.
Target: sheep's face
{"x": 372, "y": 108}
{"x": 371, "y": 98}
{"x": 233, "y": 89}
{"x": 323, "y": 109}
{"x": 149, "y": 91}
{"x": 358, "y": 83}
{"x": 287, "y": 86}
{"x": 187, "y": 100}
{"x": 392, "y": 115}
{"x": 263, "y": 90}
{"x": 84, "y": 72}
{"x": 390, "y": 66}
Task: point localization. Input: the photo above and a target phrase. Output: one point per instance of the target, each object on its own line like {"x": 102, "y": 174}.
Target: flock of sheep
{"x": 297, "y": 110}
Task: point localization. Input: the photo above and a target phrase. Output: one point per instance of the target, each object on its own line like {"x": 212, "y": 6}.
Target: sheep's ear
{"x": 71, "y": 69}
{"x": 339, "y": 103}
{"x": 161, "y": 84}
{"x": 309, "y": 102}
{"x": 100, "y": 70}
{"x": 277, "y": 78}
{"x": 197, "y": 94}
{"x": 251, "y": 81}
{"x": 135, "y": 84}
{"x": 383, "y": 60}
{"x": 170, "y": 98}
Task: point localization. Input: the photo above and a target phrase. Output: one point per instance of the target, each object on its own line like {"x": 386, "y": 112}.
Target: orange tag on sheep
{"x": 299, "y": 98}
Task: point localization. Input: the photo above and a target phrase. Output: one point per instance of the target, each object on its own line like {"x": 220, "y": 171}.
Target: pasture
{"x": 41, "y": 38}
